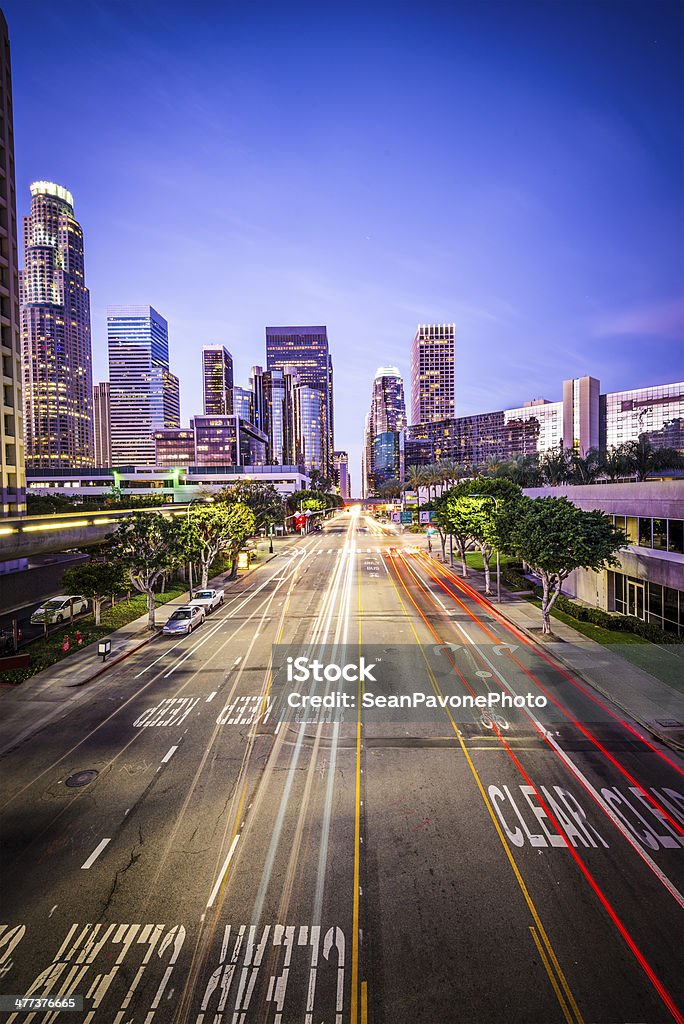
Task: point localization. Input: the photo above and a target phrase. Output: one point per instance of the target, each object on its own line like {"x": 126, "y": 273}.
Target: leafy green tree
{"x": 614, "y": 464}
{"x": 471, "y": 512}
{"x": 212, "y": 528}
{"x": 554, "y": 537}
{"x": 147, "y": 546}
{"x": 97, "y": 581}
{"x": 263, "y": 499}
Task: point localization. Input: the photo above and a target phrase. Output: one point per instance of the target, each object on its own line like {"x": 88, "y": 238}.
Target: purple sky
{"x": 516, "y": 168}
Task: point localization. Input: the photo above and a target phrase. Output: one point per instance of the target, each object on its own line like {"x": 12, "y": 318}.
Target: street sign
{"x": 406, "y": 517}
{"x": 395, "y": 517}
{"x": 430, "y": 531}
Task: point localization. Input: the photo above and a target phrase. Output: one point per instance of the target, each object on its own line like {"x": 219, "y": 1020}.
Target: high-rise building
{"x": 243, "y": 403}
{"x": 432, "y": 373}
{"x": 387, "y": 415}
{"x": 657, "y": 412}
{"x": 310, "y": 418}
{"x": 581, "y": 414}
{"x": 102, "y": 422}
{"x": 12, "y": 468}
{"x": 144, "y": 393}
{"x": 217, "y": 380}
{"x": 388, "y": 458}
{"x": 306, "y": 350}
{"x": 341, "y": 464}
{"x": 55, "y": 335}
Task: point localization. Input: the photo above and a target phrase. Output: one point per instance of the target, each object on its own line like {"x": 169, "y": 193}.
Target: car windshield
{"x": 53, "y": 604}
{"x": 182, "y": 614}
{"x": 204, "y": 593}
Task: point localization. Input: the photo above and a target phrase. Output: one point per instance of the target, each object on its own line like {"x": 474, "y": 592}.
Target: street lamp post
{"x": 498, "y": 555}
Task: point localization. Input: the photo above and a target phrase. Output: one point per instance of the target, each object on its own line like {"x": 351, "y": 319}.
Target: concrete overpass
{"x": 23, "y": 536}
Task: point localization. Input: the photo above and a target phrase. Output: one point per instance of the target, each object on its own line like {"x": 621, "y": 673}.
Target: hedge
{"x": 607, "y": 620}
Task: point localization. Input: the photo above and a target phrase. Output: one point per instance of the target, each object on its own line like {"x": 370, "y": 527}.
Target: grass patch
{"x": 588, "y": 629}
{"x": 474, "y": 560}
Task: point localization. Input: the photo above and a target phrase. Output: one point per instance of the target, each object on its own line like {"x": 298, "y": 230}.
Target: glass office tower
{"x": 217, "y": 380}
{"x": 305, "y": 349}
{"x": 144, "y": 394}
{"x": 432, "y": 372}
{"x": 55, "y": 335}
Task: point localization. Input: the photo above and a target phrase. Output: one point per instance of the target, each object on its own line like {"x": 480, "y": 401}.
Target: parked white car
{"x": 57, "y": 609}
{"x": 208, "y": 599}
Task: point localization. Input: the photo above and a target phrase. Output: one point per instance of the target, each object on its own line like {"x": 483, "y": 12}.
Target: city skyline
{"x": 558, "y": 288}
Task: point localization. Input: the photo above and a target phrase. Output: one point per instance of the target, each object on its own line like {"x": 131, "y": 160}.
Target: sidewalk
{"x": 656, "y": 706}
{"x": 30, "y": 705}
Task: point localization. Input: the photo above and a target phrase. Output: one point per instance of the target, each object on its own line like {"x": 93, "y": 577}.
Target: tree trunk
{"x": 151, "y": 605}
{"x": 462, "y": 553}
{"x": 546, "y": 609}
{"x": 442, "y": 537}
{"x": 485, "y": 565}
{"x": 97, "y": 602}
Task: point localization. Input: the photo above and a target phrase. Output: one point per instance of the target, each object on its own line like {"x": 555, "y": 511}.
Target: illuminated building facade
{"x": 101, "y": 419}
{"x": 657, "y": 412}
{"x": 211, "y": 441}
{"x": 581, "y": 414}
{"x": 341, "y": 466}
{"x": 12, "y": 469}
{"x": 432, "y": 372}
{"x": 305, "y": 349}
{"x": 387, "y": 415}
{"x": 217, "y": 380}
{"x": 144, "y": 393}
{"x": 55, "y": 334}
{"x": 243, "y": 403}
{"x": 388, "y": 458}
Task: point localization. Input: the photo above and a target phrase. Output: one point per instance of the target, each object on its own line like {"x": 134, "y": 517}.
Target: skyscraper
{"x": 306, "y": 350}
{"x": 387, "y": 415}
{"x": 144, "y": 393}
{"x": 432, "y": 373}
{"x": 217, "y": 380}
{"x": 12, "y": 471}
{"x": 581, "y": 414}
{"x": 341, "y": 463}
{"x": 55, "y": 335}
{"x": 102, "y": 422}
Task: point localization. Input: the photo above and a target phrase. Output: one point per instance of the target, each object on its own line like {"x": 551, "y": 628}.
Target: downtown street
{"x": 232, "y": 860}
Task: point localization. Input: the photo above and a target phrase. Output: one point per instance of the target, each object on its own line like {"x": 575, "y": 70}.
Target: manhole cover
{"x": 81, "y": 778}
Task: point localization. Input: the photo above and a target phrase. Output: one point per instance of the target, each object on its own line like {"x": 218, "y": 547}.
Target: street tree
{"x": 211, "y": 528}
{"x": 554, "y": 537}
{"x": 96, "y": 581}
{"x": 471, "y": 511}
{"x": 263, "y": 499}
{"x": 147, "y": 546}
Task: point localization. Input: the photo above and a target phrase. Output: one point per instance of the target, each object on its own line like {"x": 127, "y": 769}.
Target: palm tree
{"x": 614, "y": 463}
{"x": 433, "y": 478}
{"x": 556, "y": 466}
{"x": 495, "y": 467}
{"x": 415, "y": 479}
{"x": 524, "y": 470}
{"x": 391, "y": 489}
{"x": 587, "y": 468}
{"x": 642, "y": 459}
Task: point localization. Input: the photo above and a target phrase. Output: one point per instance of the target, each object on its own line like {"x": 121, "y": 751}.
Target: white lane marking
{"x": 53, "y": 910}
{"x": 214, "y": 891}
{"x": 211, "y": 697}
{"x": 95, "y": 854}
{"x": 237, "y": 661}
{"x": 169, "y": 754}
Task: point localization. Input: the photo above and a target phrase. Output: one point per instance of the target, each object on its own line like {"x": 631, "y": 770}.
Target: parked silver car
{"x": 184, "y": 620}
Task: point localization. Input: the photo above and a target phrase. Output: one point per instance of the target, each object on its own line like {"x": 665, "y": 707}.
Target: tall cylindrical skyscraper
{"x": 55, "y": 335}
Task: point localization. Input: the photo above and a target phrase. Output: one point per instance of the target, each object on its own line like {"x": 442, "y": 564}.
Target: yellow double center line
{"x": 566, "y": 1000}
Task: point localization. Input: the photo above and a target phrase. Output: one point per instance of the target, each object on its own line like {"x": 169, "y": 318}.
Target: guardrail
{"x": 22, "y": 536}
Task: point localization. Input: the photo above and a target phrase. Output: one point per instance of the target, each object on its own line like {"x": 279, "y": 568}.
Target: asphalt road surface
{"x": 239, "y": 858}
